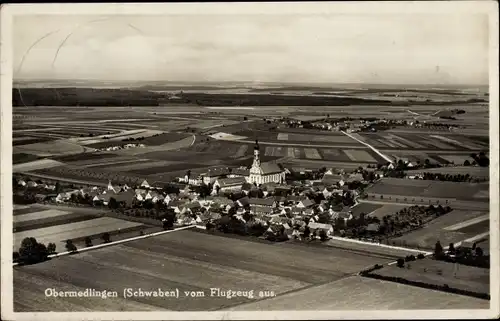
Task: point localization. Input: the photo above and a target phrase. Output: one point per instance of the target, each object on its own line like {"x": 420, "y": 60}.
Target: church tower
{"x": 256, "y": 155}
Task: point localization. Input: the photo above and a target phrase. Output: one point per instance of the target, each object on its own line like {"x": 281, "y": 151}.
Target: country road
{"x": 368, "y": 145}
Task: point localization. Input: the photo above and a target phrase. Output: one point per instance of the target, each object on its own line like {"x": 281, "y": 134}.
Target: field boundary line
{"x": 98, "y": 246}
{"x": 380, "y": 245}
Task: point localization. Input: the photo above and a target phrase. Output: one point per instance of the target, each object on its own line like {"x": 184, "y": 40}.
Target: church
{"x": 261, "y": 173}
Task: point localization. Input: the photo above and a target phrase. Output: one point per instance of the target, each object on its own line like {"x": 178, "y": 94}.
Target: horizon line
{"x": 246, "y": 81}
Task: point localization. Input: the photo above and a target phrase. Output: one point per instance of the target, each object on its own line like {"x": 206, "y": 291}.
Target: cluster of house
{"x": 228, "y": 179}
{"x": 126, "y": 146}
{"x": 270, "y": 209}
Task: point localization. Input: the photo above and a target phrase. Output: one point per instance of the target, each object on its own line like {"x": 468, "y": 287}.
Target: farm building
{"x": 215, "y": 173}
{"x": 261, "y": 173}
{"x": 267, "y": 202}
{"x": 239, "y": 172}
{"x": 229, "y": 184}
{"x": 258, "y": 209}
{"x": 306, "y": 203}
{"x": 423, "y": 192}
{"x": 316, "y": 227}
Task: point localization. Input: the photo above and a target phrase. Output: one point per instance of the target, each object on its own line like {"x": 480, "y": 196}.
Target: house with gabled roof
{"x": 243, "y": 202}
{"x": 177, "y": 205}
{"x": 308, "y": 212}
{"x": 268, "y": 202}
{"x": 305, "y": 203}
{"x": 256, "y": 209}
{"x": 224, "y": 201}
{"x": 354, "y": 177}
{"x": 32, "y": 184}
{"x": 316, "y": 227}
{"x": 229, "y": 184}
{"x": 145, "y": 184}
{"x": 239, "y": 172}
{"x": 126, "y": 198}
{"x": 297, "y": 210}
{"x": 247, "y": 187}
{"x": 214, "y": 173}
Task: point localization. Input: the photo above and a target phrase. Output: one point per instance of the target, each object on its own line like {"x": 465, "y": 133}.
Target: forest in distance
{"x": 73, "y": 96}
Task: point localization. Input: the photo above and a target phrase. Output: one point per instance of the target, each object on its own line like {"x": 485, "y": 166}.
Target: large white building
{"x": 261, "y": 173}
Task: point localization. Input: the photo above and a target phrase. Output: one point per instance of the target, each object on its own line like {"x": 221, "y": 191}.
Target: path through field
{"x": 369, "y": 146}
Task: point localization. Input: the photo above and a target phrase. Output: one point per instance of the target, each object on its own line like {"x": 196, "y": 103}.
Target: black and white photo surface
{"x": 249, "y": 160}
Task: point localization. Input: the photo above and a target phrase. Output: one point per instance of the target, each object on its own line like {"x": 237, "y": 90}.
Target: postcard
{"x": 250, "y": 161}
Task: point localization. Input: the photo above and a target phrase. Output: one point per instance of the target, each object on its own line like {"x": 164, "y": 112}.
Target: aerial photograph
{"x": 250, "y": 162}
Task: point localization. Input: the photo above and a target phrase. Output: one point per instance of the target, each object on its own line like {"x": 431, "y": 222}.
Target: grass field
{"x": 185, "y": 260}
{"x": 359, "y": 293}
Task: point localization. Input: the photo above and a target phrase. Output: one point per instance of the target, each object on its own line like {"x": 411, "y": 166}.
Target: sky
{"x": 385, "y": 49}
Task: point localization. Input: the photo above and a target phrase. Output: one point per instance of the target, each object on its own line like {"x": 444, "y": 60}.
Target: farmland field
{"x": 461, "y": 277}
{"x": 366, "y": 208}
{"x": 474, "y": 171}
{"x": 359, "y": 155}
{"x": 275, "y": 151}
{"x": 58, "y": 234}
{"x": 19, "y": 158}
{"x": 312, "y": 153}
{"x": 386, "y": 209}
{"x": 439, "y": 229}
{"x": 359, "y": 293}
{"x": 38, "y": 215}
{"x": 35, "y": 165}
{"x": 318, "y": 139}
{"x": 434, "y": 189}
{"x": 50, "y": 148}
{"x": 188, "y": 261}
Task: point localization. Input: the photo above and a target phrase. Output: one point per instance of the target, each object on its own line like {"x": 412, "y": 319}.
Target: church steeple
{"x": 256, "y": 152}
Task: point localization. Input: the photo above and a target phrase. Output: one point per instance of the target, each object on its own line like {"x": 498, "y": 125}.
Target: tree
{"x": 438, "y": 250}
{"x": 51, "y": 248}
{"x": 58, "y": 188}
{"x": 106, "y": 238}
{"x": 400, "y": 263}
{"x": 479, "y": 251}
{"x": 322, "y": 235}
{"x": 466, "y": 162}
{"x": 113, "y": 204}
{"x": 88, "y": 241}
{"x": 451, "y": 248}
{"x": 70, "y": 247}
{"x": 31, "y": 251}
{"x": 307, "y": 231}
